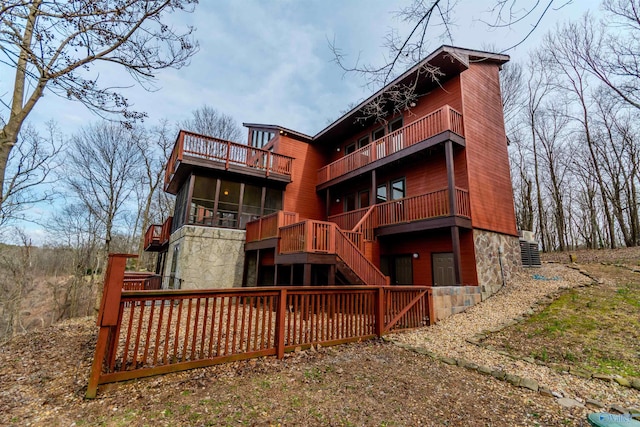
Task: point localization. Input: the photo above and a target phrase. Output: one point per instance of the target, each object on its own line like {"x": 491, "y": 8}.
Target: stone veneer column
{"x": 487, "y": 249}
{"x": 208, "y": 257}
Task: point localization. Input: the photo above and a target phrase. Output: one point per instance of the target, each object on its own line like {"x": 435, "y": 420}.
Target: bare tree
{"x": 563, "y": 52}
{"x": 29, "y": 168}
{"x": 77, "y": 230}
{"x": 208, "y": 121}
{"x": 611, "y": 51}
{"x": 155, "y": 149}
{"x": 16, "y": 281}
{"x": 55, "y": 44}
{"x": 102, "y": 167}
{"x": 426, "y": 21}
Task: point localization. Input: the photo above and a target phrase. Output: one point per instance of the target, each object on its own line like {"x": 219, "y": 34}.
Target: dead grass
{"x": 595, "y": 328}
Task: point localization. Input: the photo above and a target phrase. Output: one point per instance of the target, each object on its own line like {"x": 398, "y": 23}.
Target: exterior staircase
{"x": 320, "y": 237}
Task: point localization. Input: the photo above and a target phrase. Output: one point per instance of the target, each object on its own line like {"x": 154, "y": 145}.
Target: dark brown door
{"x": 443, "y": 274}
{"x": 399, "y": 268}
{"x": 403, "y": 270}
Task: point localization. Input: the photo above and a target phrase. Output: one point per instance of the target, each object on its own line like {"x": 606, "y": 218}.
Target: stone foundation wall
{"x": 448, "y": 300}
{"x": 490, "y": 249}
{"x": 207, "y": 258}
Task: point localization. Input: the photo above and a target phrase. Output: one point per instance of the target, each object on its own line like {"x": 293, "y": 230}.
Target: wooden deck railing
{"x": 430, "y": 205}
{"x": 267, "y": 226}
{"x": 158, "y": 234}
{"x": 348, "y": 220}
{"x": 227, "y": 153}
{"x": 441, "y": 120}
{"x": 325, "y": 237}
{"x": 144, "y": 333}
{"x": 139, "y": 281}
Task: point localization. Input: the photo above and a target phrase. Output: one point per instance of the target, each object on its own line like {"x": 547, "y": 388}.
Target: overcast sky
{"x": 269, "y": 61}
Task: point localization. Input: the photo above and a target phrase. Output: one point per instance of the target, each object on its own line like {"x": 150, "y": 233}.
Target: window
{"x": 363, "y": 141}
{"x": 349, "y": 202}
{"x": 397, "y": 189}
{"x": 174, "y": 267}
{"x": 272, "y": 201}
{"x": 381, "y": 193}
{"x": 260, "y": 138}
{"x": 377, "y": 134}
{"x": 349, "y": 149}
{"x": 395, "y": 125}
{"x": 393, "y": 190}
{"x": 396, "y": 139}
{"x": 363, "y": 199}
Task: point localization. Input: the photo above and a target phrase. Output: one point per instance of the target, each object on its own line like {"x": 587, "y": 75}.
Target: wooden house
{"x": 418, "y": 197}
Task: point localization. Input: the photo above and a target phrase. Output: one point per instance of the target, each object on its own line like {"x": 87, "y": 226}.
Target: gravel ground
{"x": 449, "y": 337}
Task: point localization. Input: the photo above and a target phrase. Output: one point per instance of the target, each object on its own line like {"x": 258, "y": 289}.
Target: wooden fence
{"x": 144, "y": 333}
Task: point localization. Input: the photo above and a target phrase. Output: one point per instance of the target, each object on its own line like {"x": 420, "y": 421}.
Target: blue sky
{"x": 269, "y": 62}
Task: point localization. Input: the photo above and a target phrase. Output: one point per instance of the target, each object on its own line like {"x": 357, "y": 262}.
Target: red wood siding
{"x": 424, "y": 176}
{"x": 490, "y": 190}
{"x": 448, "y": 93}
{"x": 430, "y": 174}
{"x": 427, "y": 243}
{"x": 300, "y": 195}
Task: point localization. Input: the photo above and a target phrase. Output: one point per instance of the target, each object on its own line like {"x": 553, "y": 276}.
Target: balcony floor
{"x": 423, "y": 224}
{"x": 408, "y": 151}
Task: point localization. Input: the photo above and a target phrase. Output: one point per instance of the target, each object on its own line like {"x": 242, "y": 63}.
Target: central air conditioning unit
{"x": 529, "y": 251}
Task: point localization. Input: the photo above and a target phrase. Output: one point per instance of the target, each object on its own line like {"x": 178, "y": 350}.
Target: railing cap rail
{"x": 238, "y": 144}
{"x": 263, "y": 290}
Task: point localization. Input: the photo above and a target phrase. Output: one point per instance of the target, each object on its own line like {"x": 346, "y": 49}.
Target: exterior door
{"x": 443, "y": 273}
{"x": 403, "y": 270}
{"x": 399, "y": 268}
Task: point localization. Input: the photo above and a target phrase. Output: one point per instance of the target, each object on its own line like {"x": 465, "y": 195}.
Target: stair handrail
{"x": 358, "y": 228}
{"x": 377, "y": 277}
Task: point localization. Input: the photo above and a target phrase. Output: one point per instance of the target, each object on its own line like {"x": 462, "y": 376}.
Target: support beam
{"x": 258, "y": 267}
{"x": 374, "y": 189}
{"x": 306, "y": 280}
{"x": 451, "y": 177}
{"x": 457, "y": 263}
{"x": 328, "y": 203}
{"x": 332, "y": 275}
{"x": 275, "y": 274}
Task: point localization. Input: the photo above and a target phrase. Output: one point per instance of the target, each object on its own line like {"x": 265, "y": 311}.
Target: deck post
{"x": 451, "y": 179}
{"x": 306, "y": 280}
{"x": 457, "y": 265}
{"x": 107, "y": 317}
{"x": 379, "y": 310}
{"x": 282, "y": 305}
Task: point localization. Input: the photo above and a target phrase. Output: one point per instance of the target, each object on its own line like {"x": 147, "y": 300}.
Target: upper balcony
{"x": 194, "y": 150}
{"x": 417, "y": 135}
{"x": 156, "y": 239}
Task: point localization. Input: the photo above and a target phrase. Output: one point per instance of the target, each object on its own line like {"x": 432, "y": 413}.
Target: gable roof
{"x": 450, "y": 60}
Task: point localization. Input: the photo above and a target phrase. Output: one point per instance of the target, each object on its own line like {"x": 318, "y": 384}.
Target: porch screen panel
{"x": 203, "y": 201}
{"x": 228, "y": 204}
{"x": 273, "y": 201}
{"x": 251, "y": 204}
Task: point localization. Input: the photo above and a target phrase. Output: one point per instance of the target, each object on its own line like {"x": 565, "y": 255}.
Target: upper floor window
{"x": 363, "y": 141}
{"x": 395, "y": 124}
{"x": 393, "y": 190}
{"x": 260, "y": 138}
{"x": 377, "y": 134}
{"x": 398, "y": 189}
{"x": 349, "y": 149}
